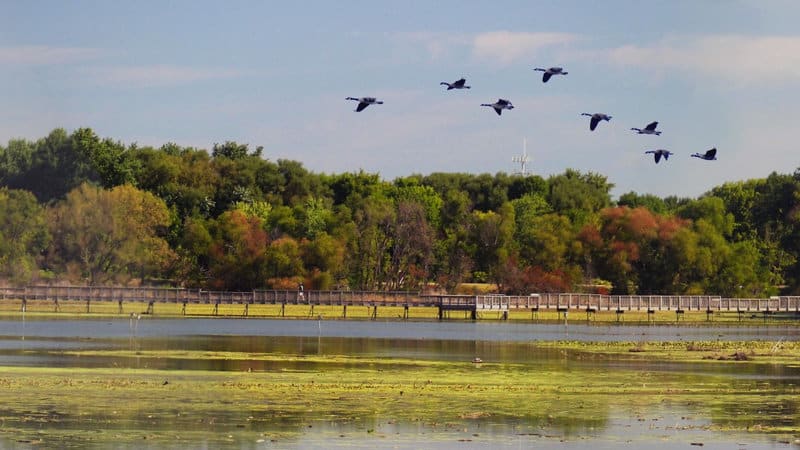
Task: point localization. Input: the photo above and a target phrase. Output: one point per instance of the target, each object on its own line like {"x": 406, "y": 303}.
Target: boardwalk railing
{"x": 543, "y": 301}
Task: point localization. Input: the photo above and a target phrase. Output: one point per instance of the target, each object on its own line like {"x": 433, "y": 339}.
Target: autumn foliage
{"x": 76, "y": 208}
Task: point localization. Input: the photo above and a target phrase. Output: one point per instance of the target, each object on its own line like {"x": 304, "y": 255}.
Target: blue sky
{"x": 722, "y": 74}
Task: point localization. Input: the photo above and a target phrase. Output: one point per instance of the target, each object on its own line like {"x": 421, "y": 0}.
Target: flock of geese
{"x": 594, "y": 118}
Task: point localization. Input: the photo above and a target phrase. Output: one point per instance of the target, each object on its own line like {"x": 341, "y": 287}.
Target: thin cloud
{"x": 503, "y": 47}
{"x": 159, "y": 75}
{"x": 37, "y": 55}
{"x": 506, "y": 47}
{"x": 436, "y": 44}
{"x": 740, "y": 59}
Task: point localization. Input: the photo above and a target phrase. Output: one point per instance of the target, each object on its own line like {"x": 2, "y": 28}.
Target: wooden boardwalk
{"x": 471, "y": 304}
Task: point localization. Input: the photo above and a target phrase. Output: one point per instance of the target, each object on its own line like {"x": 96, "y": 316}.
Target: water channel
{"x": 295, "y": 346}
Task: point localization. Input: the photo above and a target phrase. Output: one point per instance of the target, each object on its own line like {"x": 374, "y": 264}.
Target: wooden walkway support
{"x": 472, "y": 306}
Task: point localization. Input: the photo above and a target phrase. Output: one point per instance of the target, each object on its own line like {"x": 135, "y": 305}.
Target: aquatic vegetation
{"x": 128, "y": 404}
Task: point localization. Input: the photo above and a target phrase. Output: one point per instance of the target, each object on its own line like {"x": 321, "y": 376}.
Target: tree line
{"x": 80, "y": 208}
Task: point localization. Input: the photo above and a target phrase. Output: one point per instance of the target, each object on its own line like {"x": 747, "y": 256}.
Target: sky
{"x": 713, "y": 73}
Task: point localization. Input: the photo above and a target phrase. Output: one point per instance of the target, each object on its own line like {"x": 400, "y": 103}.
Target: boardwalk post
{"x": 470, "y": 305}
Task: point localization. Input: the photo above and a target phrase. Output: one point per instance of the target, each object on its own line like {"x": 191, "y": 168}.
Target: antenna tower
{"x": 522, "y": 160}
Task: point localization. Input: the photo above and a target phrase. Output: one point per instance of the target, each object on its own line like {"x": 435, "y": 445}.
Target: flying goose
{"x": 657, "y": 154}
{"x": 499, "y": 105}
{"x": 458, "y": 84}
{"x": 708, "y": 156}
{"x": 596, "y": 118}
{"x": 550, "y": 72}
{"x": 649, "y": 129}
{"x": 363, "y": 102}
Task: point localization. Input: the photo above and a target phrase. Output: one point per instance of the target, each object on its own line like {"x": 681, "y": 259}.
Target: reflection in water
{"x": 448, "y": 331}
{"x": 47, "y": 352}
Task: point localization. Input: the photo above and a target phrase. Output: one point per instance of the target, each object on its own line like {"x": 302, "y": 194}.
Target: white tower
{"x": 522, "y": 160}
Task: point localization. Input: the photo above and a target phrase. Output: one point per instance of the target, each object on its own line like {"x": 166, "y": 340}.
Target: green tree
{"x": 577, "y": 195}
{"x": 424, "y": 196}
{"x": 49, "y": 168}
{"x": 23, "y": 235}
{"x": 649, "y": 201}
{"x": 233, "y": 150}
{"x": 284, "y": 263}
{"x": 237, "y": 257}
{"x": 546, "y": 241}
{"x": 324, "y": 253}
{"x": 112, "y": 163}
{"x": 368, "y": 249}
{"x": 99, "y": 235}
{"x": 492, "y": 234}
{"x": 315, "y": 216}
{"x": 454, "y": 249}
{"x": 712, "y": 210}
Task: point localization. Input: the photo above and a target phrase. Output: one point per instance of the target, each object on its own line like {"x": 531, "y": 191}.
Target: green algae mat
{"x": 580, "y": 389}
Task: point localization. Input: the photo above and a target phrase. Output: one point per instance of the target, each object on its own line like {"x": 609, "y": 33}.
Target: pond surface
{"x": 54, "y": 343}
{"x": 455, "y": 330}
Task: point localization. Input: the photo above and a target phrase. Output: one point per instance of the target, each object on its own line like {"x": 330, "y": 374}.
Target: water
{"x": 458, "y": 331}
{"x": 49, "y": 343}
